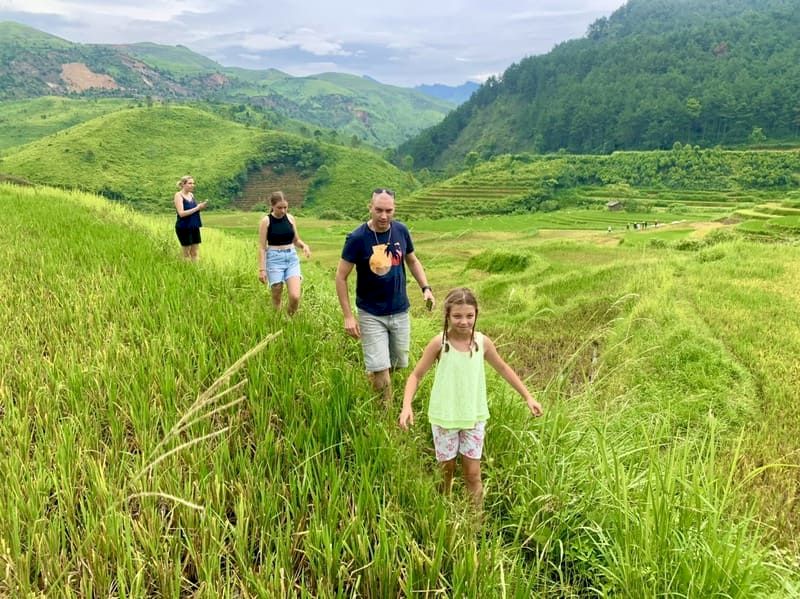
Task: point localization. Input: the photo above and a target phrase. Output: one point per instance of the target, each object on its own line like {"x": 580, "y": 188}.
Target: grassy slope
{"x": 176, "y": 59}
{"x": 313, "y": 488}
{"x": 30, "y": 37}
{"x": 256, "y": 76}
{"x": 353, "y": 176}
{"x": 24, "y": 121}
{"x": 138, "y": 155}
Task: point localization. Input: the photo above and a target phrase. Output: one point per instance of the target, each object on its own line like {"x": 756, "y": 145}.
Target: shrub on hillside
{"x": 711, "y": 254}
{"x": 720, "y": 236}
{"x": 499, "y": 261}
{"x": 689, "y": 245}
{"x": 332, "y": 214}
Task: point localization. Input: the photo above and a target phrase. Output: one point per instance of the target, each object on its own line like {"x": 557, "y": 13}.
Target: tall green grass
{"x": 310, "y": 489}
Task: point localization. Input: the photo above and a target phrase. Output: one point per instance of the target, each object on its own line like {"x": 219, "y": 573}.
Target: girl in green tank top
{"x": 458, "y": 408}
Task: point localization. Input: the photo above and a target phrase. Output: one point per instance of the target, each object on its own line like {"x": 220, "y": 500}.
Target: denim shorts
{"x": 385, "y": 340}
{"x": 282, "y": 265}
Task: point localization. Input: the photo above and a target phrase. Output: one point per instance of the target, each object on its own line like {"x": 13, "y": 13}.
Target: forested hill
{"x": 702, "y": 72}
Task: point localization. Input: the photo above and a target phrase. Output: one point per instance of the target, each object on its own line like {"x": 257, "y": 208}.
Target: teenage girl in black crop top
{"x": 277, "y": 259}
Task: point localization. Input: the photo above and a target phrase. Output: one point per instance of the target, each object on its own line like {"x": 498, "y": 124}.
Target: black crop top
{"x": 280, "y": 231}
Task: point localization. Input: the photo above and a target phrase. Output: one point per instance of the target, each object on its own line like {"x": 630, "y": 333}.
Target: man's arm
{"x": 415, "y": 267}
{"x": 342, "y": 272}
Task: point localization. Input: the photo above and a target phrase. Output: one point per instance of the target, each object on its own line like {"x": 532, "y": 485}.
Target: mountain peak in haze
{"x": 455, "y": 94}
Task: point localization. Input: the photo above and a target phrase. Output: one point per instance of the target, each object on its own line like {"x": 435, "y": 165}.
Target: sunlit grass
{"x": 644, "y": 477}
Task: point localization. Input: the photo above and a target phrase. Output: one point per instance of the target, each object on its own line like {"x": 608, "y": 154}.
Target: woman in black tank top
{"x": 277, "y": 259}
{"x": 187, "y": 226}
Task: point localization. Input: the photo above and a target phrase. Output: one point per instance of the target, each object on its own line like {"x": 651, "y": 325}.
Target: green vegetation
{"x": 374, "y": 113}
{"x": 136, "y": 156}
{"x": 499, "y": 261}
{"x": 342, "y": 107}
{"x": 130, "y": 155}
{"x": 173, "y": 59}
{"x": 653, "y": 73}
{"x": 663, "y": 399}
{"x": 345, "y": 183}
{"x": 28, "y": 120}
{"x": 31, "y": 65}
{"x": 678, "y": 180}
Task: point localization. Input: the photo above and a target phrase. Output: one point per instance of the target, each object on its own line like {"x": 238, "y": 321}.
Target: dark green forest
{"x": 702, "y": 72}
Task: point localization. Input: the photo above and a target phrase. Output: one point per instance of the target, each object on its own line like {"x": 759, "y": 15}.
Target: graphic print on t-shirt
{"x": 384, "y": 256}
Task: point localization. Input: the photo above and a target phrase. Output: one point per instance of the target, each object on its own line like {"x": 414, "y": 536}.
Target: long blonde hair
{"x": 182, "y": 181}
{"x": 460, "y": 296}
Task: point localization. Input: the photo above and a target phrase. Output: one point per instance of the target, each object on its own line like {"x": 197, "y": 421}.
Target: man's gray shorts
{"x": 385, "y": 340}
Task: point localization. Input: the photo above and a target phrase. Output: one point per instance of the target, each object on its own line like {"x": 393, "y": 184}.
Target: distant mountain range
{"x": 656, "y": 72}
{"x": 34, "y": 63}
{"x": 457, "y": 95}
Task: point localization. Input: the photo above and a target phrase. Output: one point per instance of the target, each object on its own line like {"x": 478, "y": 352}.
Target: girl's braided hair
{"x": 465, "y": 297}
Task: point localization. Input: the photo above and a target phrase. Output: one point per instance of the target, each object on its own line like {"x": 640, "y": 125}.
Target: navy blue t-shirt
{"x": 380, "y": 275}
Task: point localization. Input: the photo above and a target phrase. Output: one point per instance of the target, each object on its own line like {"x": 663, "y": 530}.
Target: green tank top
{"x": 458, "y": 397}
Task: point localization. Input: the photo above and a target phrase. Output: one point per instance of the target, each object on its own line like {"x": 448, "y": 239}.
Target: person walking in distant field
{"x": 187, "y": 227}
{"x": 380, "y": 249}
{"x": 277, "y": 258}
{"x": 458, "y": 408}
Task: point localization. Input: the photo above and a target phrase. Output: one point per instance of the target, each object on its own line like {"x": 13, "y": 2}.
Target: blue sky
{"x": 405, "y": 43}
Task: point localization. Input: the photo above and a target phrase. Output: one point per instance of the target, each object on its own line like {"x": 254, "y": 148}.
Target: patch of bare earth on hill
{"x": 79, "y": 77}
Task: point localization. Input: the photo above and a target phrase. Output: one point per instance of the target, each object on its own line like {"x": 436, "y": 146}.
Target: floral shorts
{"x": 449, "y": 442}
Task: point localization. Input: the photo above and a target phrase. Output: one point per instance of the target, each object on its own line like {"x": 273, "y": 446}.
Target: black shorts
{"x": 188, "y": 235}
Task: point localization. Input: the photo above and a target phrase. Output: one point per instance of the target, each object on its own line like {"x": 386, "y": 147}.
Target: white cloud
{"x": 314, "y": 68}
{"x": 418, "y": 41}
{"x": 75, "y": 10}
{"x": 481, "y": 77}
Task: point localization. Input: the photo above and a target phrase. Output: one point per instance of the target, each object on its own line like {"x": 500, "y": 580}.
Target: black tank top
{"x": 280, "y": 231}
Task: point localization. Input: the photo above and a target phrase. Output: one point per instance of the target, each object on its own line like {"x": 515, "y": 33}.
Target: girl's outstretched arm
{"x": 429, "y": 356}
{"x": 504, "y": 370}
{"x": 297, "y": 241}
{"x": 262, "y": 249}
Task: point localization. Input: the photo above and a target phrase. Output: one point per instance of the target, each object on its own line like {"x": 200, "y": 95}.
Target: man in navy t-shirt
{"x": 380, "y": 249}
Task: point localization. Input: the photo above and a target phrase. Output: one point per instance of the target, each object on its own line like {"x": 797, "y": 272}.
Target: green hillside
{"x": 256, "y": 76}
{"x": 684, "y": 176}
{"x": 23, "y": 121}
{"x": 33, "y": 63}
{"x": 11, "y": 32}
{"x": 655, "y": 72}
{"x": 344, "y": 186}
{"x": 176, "y": 59}
{"x": 136, "y": 155}
{"x": 360, "y": 110}
{"x": 378, "y": 114}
